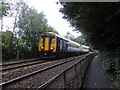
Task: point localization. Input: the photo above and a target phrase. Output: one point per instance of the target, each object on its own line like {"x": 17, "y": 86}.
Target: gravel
{"x": 19, "y": 64}
{"x": 25, "y": 70}
{"x": 38, "y": 79}
{"x": 16, "y": 61}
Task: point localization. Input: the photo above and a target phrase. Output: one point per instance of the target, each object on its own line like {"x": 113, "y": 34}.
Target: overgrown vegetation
{"x": 99, "y": 23}
{"x": 20, "y": 40}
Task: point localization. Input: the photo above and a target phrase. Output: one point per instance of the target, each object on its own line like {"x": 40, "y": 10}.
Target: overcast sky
{"x": 54, "y": 17}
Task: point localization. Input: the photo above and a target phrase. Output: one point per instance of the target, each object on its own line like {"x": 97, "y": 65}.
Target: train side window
{"x": 67, "y": 44}
{"x": 77, "y": 46}
{"x": 64, "y": 43}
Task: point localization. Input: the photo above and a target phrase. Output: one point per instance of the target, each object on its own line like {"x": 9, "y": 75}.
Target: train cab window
{"x": 41, "y": 39}
{"x": 52, "y": 39}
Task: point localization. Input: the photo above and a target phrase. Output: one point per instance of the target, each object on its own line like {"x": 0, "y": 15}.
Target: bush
{"x": 111, "y": 63}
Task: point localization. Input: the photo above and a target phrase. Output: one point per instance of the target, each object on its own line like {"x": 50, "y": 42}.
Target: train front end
{"x": 47, "y": 44}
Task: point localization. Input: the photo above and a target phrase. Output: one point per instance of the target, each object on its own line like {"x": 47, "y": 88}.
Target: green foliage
{"x": 99, "y": 23}
{"x": 4, "y": 8}
{"x": 31, "y": 23}
{"x": 117, "y": 81}
{"x": 108, "y": 61}
{"x": 51, "y": 29}
{"x": 111, "y": 63}
{"x": 22, "y": 40}
{"x": 69, "y": 36}
{"x": 95, "y": 21}
{"x": 8, "y": 46}
{"x": 80, "y": 40}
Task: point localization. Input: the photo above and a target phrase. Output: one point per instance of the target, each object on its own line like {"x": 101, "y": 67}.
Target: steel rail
{"x": 35, "y": 72}
{"x": 23, "y": 65}
{"x": 19, "y": 62}
{"x": 52, "y": 79}
{"x": 46, "y": 84}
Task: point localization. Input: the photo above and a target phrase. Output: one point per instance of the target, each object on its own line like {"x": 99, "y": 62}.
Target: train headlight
{"x": 51, "y": 48}
{"x": 41, "y": 47}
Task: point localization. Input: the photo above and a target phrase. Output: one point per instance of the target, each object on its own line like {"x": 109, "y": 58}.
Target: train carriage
{"x": 51, "y": 44}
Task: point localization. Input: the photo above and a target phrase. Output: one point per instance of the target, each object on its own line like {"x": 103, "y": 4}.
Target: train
{"x": 53, "y": 45}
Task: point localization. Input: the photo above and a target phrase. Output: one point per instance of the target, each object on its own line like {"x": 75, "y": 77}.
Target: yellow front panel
{"x": 46, "y": 47}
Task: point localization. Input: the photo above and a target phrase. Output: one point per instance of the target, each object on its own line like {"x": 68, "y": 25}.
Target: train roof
{"x": 65, "y": 38}
{"x": 85, "y": 46}
{"x": 51, "y": 33}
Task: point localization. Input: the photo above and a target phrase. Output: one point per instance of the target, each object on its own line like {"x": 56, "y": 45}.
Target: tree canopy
{"x": 99, "y": 23}
{"x": 4, "y": 8}
{"x": 22, "y": 37}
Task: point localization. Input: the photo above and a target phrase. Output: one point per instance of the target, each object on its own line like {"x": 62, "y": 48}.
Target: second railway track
{"x": 17, "y": 62}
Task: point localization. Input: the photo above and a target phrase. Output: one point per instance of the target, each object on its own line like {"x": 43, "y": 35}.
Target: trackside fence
{"x": 71, "y": 77}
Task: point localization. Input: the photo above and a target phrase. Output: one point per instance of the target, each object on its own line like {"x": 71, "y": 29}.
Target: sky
{"x": 52, "y": 14}
{"x": 54, "y": 17}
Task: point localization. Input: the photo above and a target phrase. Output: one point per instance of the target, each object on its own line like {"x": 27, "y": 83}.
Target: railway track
{"x": 6, "y": 68}
{"x": 29, "y": 75}
{"x": 13, "y": 63}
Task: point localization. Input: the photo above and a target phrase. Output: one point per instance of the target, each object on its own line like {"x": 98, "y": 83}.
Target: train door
{"x": 46, "y": 43}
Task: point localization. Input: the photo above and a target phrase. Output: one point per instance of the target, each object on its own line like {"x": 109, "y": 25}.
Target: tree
{"x": 31, "y": 24}
{"x": 69, "y": 36}
{"x": 80, "y": 40}
{"x": 24, "y": 33}
{"x": 4, "y": 8}
{"x": 51, "y": 29}
{"x": 99, "y": 23}
{"x": 95, "y": 21}
{"x": 7, "y": 52}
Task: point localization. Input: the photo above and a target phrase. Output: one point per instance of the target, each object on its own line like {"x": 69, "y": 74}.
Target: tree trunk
{"x": 17, "y": 54}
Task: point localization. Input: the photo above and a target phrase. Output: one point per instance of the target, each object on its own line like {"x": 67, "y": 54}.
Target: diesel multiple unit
{"x": 51, "y": 44}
